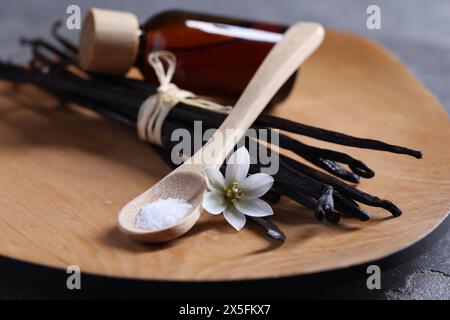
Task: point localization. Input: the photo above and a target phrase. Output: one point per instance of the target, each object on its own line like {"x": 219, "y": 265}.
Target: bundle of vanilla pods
{"x": 56, "y": 70}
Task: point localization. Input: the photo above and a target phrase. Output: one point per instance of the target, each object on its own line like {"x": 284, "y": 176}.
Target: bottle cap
{"x": 109, "y": 41}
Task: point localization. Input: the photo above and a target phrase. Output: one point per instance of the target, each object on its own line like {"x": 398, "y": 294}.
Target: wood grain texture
{"x": 65, "y": 173}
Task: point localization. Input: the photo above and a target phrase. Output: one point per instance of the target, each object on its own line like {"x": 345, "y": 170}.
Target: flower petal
{"x": 234, "y": 217}
{"x": 257, "y": 185}
{"x": 214, "y": 202}
{"x": 254, "y": 207}
{"x": 237, "y": 166}
{"x": 214, "y": 179}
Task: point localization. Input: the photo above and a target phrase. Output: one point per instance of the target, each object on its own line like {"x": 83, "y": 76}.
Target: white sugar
{"x": 162, "y": 214}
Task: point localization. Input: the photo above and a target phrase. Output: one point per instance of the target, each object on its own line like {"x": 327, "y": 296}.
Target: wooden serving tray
{"x": 65, "y": 173}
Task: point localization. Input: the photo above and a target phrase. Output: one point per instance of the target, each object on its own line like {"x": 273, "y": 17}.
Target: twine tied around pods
{"x": 155, "y": 108}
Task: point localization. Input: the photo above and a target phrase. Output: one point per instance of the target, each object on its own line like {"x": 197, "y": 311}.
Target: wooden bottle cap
{"x": 109, "y": 41}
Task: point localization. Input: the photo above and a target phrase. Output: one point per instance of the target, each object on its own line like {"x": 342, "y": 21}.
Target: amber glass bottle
{"x": 216, "y": 56}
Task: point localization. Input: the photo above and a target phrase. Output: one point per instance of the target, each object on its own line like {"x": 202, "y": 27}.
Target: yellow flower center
{"x": 234, "y": 192}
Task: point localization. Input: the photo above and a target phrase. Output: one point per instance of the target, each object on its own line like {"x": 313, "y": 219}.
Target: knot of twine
{"x": 155, "y": 108}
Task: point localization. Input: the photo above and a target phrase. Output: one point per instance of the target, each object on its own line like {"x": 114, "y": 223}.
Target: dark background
{"x": 416, "y": 30}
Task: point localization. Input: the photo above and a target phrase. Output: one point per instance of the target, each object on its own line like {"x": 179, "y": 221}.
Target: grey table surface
{"x": 415, "y": 30}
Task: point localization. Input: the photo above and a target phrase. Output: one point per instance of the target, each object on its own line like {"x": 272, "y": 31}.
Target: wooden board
{"x": 65, "y": 173}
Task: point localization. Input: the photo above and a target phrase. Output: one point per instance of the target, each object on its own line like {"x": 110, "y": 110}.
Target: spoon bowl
{"x": 187, "y": 181}
{"x": 179, "y": 184}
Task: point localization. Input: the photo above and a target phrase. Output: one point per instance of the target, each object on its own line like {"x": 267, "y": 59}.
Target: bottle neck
{"x": 142, "y": 40}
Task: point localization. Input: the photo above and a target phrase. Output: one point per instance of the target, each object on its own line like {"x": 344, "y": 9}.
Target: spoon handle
{"x": 297, "y": 44}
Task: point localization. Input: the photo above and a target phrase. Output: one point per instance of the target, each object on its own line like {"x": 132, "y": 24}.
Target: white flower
{"x": 236, "y": 195}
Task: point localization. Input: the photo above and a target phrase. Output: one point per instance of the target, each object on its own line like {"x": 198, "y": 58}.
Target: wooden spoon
{"x": 187, "y": 181}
